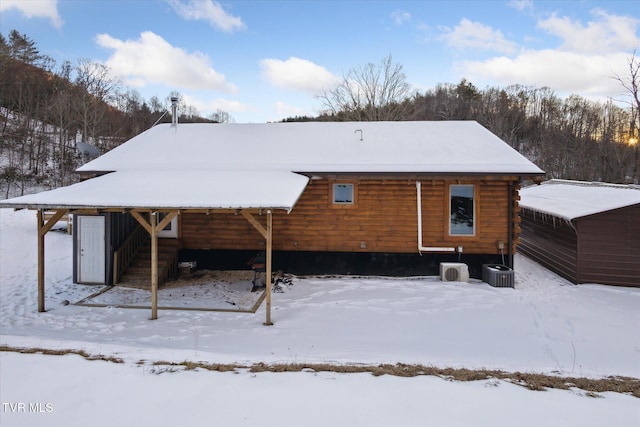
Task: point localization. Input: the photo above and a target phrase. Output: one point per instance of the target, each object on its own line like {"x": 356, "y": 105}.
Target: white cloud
{"x": 284, "y": 110}
{"x": 151, "y": 59}
{"x": 35, "y": 9}
{"x": 209, "y": 11}
{"x": 297, "y": 74}
{"x": 206, "y": 107}
{"x": 589, "y": 76}
{"x": 606, "y": 33}
{"x": 521, "y": 4}
{"x": 584, "y": 63}
{"x": 475, "y": 35}
{"x": 399, "y": 17}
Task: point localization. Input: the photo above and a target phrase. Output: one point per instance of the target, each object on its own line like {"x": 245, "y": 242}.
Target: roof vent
{"x": 361, "y": 133}
{"x": 174, "y": 111}
{"x": 87, "y": 150}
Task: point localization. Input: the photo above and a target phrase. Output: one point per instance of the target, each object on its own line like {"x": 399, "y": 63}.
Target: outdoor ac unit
{"x": 498, "y": 275}
{"x": 454, "y": 272}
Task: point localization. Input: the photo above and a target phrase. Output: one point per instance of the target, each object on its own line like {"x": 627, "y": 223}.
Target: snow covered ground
{"x": 543, "y": 325}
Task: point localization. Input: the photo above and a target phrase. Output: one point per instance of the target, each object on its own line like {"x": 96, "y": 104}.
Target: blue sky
{"x": 264, "y": 60}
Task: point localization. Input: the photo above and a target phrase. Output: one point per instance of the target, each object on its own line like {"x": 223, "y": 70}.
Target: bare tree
{"x": 97, "y": 88}
{"x": 631, "y": 83}
{"x": 370, "y": 92}
{"x": 221, "y": 116}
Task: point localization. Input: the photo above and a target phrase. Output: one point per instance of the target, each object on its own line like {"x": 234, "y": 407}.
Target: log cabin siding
{"x": 383, "y": 218}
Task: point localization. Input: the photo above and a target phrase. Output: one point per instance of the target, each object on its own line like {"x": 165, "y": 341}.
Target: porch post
{"x": 43, "y": 229}
{"x": 41, "y": 234}
{"x": 268, "y": 272}
{"x": 267, "y": 234}
{"x": 153, "y": 228}
{"x": 154, "y": 265}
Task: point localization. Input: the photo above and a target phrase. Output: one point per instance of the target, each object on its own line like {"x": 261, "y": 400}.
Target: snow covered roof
{"x": 193, "y": 190}
{"x": 320, "y": 147}
{"x": 263, "y": 165}
{"x": 575, "y": 199}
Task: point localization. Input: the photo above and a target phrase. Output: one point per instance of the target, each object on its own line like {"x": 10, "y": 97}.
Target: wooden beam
{"x": 85, "y": 211}
{"x": 41, "y": 234}
{"x": 256, "y": 224}
{"x": 167, "y": 219}
{"x": 143, "y": 222}
{"x": 154, "y": 265}
{"x": 268, "y": 272}
{"x": 45, "y": 227}
{"x": 160, "y": 226}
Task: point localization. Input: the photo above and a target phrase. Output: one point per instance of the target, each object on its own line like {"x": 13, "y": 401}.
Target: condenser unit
{"x": 498, "y": 275}
{"x": 454, "y": 272}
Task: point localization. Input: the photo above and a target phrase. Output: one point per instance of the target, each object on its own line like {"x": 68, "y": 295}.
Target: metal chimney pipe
{"x": 174, "y": 111}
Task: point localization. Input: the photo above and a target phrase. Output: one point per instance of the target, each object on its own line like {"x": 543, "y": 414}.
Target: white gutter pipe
{"x": 420, "y": 247}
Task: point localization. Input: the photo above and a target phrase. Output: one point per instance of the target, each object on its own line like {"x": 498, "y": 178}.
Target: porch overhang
{"x": 172, "y": 193}
{"x": 172, "y": 190}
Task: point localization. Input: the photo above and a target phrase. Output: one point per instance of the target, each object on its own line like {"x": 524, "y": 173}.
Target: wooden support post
{"x": 154, "y": 265}
{"x": 267, "y": 233}
{"x": 43, "y": 229}
{"x": 268, "y": 272}
{"x": 41, "y": 234}
{"x": 153, "y": 228}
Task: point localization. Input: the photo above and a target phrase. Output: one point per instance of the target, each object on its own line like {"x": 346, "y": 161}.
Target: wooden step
{"x": 146, "y": 263}
{"x": 138, "y": 274}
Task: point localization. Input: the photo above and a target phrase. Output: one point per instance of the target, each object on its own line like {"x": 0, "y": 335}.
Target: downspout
{"x": 511, "y": 228}
{"x": 420, "y": 247}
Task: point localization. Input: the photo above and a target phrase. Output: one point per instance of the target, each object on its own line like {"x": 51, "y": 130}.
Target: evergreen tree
{"x": 23, "y": 48}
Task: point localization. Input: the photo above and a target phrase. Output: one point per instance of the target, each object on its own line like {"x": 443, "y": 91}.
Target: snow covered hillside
{"x": 544, "y": 325}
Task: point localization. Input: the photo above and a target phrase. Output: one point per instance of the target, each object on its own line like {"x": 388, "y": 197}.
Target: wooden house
{"x": 394, "y": 198}
{"x": 586, "y": 232}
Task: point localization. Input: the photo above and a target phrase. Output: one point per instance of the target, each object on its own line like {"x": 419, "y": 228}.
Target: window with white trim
{"x": 462, "y": 210}
{"x": 171, "y": 229}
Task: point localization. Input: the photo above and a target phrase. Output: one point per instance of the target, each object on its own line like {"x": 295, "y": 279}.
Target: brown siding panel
{"x": 609, "y": 247}
{"x": 604, "y": 248}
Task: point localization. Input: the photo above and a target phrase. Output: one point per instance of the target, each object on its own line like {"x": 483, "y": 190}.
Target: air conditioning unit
{"x": 497, "y": 275}
{"x": 454, "y": 272}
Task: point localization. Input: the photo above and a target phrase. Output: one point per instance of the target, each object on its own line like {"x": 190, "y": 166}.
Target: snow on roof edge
{"x": 196, "y": 190}
{"x": 588, "y": 198}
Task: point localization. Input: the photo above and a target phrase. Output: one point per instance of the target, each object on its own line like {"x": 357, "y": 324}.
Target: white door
{"x": 91, "y": 249}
